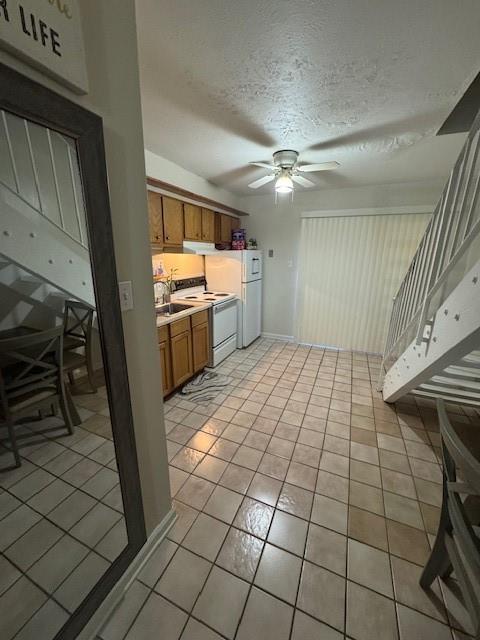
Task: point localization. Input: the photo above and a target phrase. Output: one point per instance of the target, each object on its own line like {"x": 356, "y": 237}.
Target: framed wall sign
{"x": 48, "y": 35}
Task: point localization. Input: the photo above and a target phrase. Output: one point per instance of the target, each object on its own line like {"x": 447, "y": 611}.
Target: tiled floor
{"x": 306, "y": 509}
{"x": 61, "y": 519}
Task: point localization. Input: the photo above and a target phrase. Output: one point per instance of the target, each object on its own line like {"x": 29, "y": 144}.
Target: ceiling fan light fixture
{"x": 284, "y": 184}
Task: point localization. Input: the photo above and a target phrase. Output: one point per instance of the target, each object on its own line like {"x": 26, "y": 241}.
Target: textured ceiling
{"x": 363, "y": 82}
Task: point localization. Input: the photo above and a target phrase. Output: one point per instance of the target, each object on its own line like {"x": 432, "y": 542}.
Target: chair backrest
{"x": 459, "y": 455}
{"x": 462, "y": 476}
{"x": 78, "y": 320}
{"x": 31, "y": 361}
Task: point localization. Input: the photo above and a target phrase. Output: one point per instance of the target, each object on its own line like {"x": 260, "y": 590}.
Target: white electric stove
{"x": 223, "y": 315}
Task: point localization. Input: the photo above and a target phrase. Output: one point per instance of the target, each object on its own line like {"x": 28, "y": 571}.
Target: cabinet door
{"x": 234, "y": 224}
{"x": 166, "y": 365}
{"x": 192, "y": 216}
{"x": 226, "y": 229}
{"x": 223, "y": 229}
{"x": 172, "y": 221}
{"x": 182, "y": 365}
{"x": 201, "y": 346}
{"x": 208, "y": 225}
{"x": 155, "y": 217}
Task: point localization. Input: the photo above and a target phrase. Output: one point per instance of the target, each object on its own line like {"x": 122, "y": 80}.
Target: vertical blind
{"x": 349, "y": 270}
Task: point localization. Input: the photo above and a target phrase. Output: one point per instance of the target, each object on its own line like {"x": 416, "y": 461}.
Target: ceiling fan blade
{"x": 321, "y": 166}
{"x": 261, "y": 181}
{"x": 305, "y": 182}
{"x": 266, "y": 165}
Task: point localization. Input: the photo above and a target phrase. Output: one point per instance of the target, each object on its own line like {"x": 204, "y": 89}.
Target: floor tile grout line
{"x": 290, "y": 460}
{"x": 25, "y": 572}
{"x": 318, "y": 469}
{"x": 56, "y": 477}
{"x": 50, "y": 596}
{"x": 66, "y": 531}
{"x": 303, "y": 556}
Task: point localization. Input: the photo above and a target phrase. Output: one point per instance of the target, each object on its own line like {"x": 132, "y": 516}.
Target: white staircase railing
{"x": 448, "y": 250}
{"x": 42, "y": 213}
{"x": 40, "y": 166}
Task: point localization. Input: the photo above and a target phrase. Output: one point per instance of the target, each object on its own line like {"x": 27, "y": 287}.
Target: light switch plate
{"x": 270, "y": 253}
{"x": 126, "y": 295}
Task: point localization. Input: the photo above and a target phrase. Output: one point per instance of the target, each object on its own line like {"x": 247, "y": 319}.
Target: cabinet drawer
{"x": 199, "y": 318}
{"x": 179, "y": 326}
{"x": 162, "y": 333}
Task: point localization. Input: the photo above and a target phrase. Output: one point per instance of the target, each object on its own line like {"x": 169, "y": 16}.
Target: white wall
{"x": 111, "y": 48}
{"x": 277, "y": 227}
{"x": 162, "y": 169}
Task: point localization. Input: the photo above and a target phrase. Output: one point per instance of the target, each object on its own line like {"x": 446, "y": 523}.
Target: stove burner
{"x": 209, "y": 293}
{"x": 213, "y": 299}
{"x": 191, "y": 297}
{"x": 221, "y": 295}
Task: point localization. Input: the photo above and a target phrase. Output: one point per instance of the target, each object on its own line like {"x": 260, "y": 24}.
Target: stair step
{"x": 448, "y": 391}
{"x": 453, "y": 399}
{"x": 455, "y": 383}
{"x": 456, "y": 371}
{"x": 471, "y": 360}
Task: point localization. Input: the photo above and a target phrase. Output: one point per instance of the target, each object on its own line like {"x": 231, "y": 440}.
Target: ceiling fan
{"x": 285, "y": 170}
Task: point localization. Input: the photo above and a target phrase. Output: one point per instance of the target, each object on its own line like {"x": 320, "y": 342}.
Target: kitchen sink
{"x": 171, "y": 308}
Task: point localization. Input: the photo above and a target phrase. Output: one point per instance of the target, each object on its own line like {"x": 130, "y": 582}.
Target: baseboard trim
{"x": 277, "y": 336}
{"x": 328, "y": 347}
{"x": 116, "y": 595}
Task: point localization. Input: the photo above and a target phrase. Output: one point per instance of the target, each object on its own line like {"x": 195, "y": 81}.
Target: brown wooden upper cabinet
{"x": 172, "y": 221}
{"x": 192, "y": 216}
{"x": 223, "y": 228}
{"x": 234, "y": 224}
{"x": 208, "y": 225}
{"x": 155, "y": 217}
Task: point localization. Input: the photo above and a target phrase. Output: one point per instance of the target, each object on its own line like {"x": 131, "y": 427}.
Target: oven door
{"x": 224, "y": 321}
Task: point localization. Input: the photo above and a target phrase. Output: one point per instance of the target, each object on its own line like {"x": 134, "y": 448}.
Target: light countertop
{"x": 195, "y": 308}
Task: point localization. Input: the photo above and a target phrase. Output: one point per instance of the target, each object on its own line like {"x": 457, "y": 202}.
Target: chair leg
{"x": 13, "y": 440}
{"x": 71, "y": 378}
{"x": 66, "y": 414}
{"x": 439, "y": 561}
{"x": 72, "y": 409}
{"x": 67, "y": 407}
{"x": 90, "y": 375}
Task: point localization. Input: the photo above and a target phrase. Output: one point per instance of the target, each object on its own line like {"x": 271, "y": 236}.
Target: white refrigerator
{"x": 239, "y": 272}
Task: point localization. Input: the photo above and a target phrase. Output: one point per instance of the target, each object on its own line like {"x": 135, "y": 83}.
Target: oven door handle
{"x": 224, "y": 305}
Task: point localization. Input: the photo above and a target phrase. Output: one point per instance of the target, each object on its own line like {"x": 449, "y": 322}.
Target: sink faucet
{"x": 163, "y": 295}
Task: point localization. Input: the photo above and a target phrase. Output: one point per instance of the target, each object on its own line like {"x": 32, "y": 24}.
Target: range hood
{"x": 199, "y": 248}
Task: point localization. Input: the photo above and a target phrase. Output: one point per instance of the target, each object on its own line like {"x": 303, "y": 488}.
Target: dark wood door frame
{"x": 33, "y": 101}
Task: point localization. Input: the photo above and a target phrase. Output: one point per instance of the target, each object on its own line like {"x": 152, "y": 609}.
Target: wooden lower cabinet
{"x": 182, "y": 361}
{"x": 166, "y": 365}
{"x": 184, "y": 349}
{"x": 200, "y": 346}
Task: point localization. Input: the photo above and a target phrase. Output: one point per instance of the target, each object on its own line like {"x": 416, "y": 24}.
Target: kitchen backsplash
{"x": 187, "y": 265}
